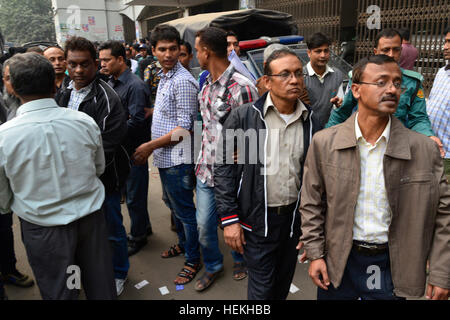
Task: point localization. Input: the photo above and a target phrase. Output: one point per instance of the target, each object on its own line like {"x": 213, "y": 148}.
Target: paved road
{"x": 147, "y": 264}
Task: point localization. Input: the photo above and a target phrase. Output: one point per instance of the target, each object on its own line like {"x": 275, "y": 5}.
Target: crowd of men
{"x": 356, "y": 177}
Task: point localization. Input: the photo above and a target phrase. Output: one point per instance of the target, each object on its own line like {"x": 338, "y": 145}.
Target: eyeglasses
{"x": 384, "y": 85}
{"x": 285, "y": 76}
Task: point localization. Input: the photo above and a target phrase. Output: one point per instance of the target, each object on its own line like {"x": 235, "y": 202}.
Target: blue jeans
{"x": 137, "y": 192}
{"x": 178, "y": 223}
{"x": 117, "y": 234}
{"x": 207, "y": 221}
{"x": 359, "y": 280}
{"x": 178, "y": 185}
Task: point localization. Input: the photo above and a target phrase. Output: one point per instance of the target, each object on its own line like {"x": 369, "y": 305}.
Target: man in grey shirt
{"x": 324, "y": 84}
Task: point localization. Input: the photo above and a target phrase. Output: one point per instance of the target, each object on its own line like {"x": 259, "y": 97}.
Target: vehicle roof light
{"x": 291, "y": 39}
{"x": 252, "y": 44}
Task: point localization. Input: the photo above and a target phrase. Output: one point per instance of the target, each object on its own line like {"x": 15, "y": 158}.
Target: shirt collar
{"x": 124, "y": 76}
{"x": 300, "y": 108}
{"x": 82, "y": 90}
{"x": 171, "y": 72}
{"x": 224, "y": 77}
{"x": 311, "y": 71}
{"x": 385, "y": 133}
{"x": 36, "y": 105}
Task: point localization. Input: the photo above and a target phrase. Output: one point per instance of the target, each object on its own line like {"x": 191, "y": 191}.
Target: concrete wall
{"x": 98, "y": 20}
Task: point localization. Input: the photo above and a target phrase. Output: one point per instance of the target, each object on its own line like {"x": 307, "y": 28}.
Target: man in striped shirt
{"x": 438, "y": 106}
{"x": 225, "y": 89}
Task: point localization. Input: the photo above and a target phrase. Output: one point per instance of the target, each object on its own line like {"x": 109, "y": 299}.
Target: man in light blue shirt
{"x": 50, "y": 161}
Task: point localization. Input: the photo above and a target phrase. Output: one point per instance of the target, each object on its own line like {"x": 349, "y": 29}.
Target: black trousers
{"x": 53, "y": 252}
{"x": 7, "y": 256}
{"x": 365, "y": 278}
{"x": 271, "y": 260}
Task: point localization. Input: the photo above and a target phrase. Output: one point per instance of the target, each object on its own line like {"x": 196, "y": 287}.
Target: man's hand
{"x": 436, "y": 293}
{"x": 440, "y": 145}
{"x": 234, "y": 237}
{"x": 303, "y": 256}
{"x": 316, "y": 269}
{"x": 142, "y": 153}
{"x": 337, "y": 101}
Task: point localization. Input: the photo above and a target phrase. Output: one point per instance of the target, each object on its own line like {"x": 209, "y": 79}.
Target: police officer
{"x": 411, "y": 109}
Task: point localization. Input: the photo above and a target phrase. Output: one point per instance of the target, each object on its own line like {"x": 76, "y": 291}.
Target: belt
{"x": 369, "y": 249}
{"x": 282, "y": 210}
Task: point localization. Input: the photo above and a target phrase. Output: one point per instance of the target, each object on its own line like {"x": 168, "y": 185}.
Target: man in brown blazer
{"x": 375, "y": 204}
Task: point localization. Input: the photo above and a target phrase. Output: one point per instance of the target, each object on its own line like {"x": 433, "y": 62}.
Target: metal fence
{"x": 426, "y": 20}
{"x": 311, "y": 16}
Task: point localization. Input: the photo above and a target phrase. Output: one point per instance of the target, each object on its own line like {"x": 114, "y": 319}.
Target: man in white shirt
{"x": 50, "y": 161}
{"x": 375, "y": 203}
{"x": 323, "y": 83}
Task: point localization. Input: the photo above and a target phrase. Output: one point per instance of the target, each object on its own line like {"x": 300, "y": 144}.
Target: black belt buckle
{"x": 282, "y": 210}
{"x": 369, "y": 249}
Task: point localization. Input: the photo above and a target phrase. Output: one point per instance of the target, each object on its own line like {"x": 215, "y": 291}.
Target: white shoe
{"x": 119, "y": 285}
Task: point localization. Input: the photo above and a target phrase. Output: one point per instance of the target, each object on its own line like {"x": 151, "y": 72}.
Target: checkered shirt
{"x": 372, "y": 212}
{"x": 230, "y": 91}
{"x": 438, "y": 107}
{"x": 176, "y": 105}
{"x": 77, "y": 96}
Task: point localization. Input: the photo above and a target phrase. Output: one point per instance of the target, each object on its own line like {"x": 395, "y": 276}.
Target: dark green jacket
{"x": 411, "y": 110}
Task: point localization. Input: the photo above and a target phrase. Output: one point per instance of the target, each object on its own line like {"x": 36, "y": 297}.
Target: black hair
{"x": 117, "y": 49}
{"x": 360, "y": 67}
{"x": 215, "y": 39}
{"x": 54, "y": 47}
{"x": 317, "y": 40}
{"x": 31, "y": 74}
{"x": 187, "y": 45}
{"x": 387, "y": 33}
{"x": 231, "y": 33}
{"x": 405, "y": 33}
{"x": 80, "y": 44}
{"x": 136, "y": 46}
{"x": 277, "y": 54}
{"x": 164, "y": 32}
{"x": 447, "y": 30}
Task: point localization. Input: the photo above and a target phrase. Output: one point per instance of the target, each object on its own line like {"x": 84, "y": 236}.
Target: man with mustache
{"x": 87, "y": 93}
{"x": 375, "y": 203}
{"x": 258, "y": 197}
{"x": 56, "y": 56}
{"x": 411, "y": 110}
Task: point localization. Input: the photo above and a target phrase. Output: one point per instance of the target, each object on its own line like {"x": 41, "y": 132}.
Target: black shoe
{"x": 135, "y": 246}
{"x": 17, "y": 279}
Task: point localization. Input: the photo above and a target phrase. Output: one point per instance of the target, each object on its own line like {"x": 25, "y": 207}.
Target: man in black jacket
{"x": 257, "y": 198}
{"x": 93, "y": 96}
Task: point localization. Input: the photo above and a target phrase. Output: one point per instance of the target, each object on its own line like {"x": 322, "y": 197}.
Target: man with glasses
{"x": 258, "y": 197}
{"x": 411, "y": 110}
{"x": 375, "y": 202}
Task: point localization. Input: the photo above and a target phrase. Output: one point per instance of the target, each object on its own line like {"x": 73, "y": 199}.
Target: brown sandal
{"x": 173, "y": 251}
{"x": 239, "y": 271}
{"x": 188, "y": 272}
{"x": 206, "y": 280}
